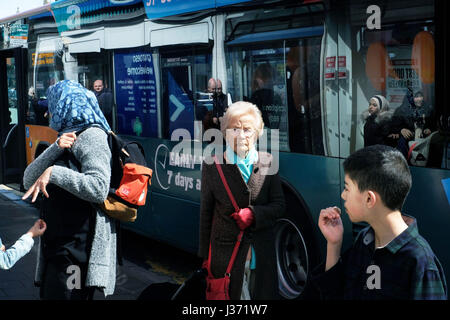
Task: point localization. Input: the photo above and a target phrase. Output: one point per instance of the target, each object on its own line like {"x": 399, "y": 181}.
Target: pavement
{"x": 18, "y": 216}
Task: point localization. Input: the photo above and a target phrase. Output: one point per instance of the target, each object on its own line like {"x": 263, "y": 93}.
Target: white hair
{"x": 239, "y": 109}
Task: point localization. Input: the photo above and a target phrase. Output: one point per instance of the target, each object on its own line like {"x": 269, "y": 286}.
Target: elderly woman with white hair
{"x": 259, "y": 196}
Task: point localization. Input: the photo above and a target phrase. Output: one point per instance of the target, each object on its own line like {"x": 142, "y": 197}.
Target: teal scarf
{"x": 244, "y": 165}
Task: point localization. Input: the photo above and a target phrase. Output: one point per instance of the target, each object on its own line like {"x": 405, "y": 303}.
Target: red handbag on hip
{"x": 218, "y": 288}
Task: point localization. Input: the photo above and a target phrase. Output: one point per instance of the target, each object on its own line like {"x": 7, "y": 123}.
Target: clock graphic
{"x": 161, "y": 161}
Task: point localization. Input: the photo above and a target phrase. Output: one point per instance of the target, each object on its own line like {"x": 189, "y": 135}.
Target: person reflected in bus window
{"x": 73, "y": 173}
{"x": 389, "y": 259}
{"x": 296, "y": 114}
{"x": 261, "y": 199}
{"x": 376, "y": 120}
{"x": 105, "y": 99}
{"x": 41, "y": 111}
{"x": 220, "y": 101}
{"x": 411, "y": 121}
{"x": 264, "y": 97}
{"x": 32, "y": 101}
{"x": 202, "y": 112}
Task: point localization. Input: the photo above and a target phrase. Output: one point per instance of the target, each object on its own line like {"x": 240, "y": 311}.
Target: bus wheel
{"x": 294, "y": 249}
{"x": 292, "y": 259}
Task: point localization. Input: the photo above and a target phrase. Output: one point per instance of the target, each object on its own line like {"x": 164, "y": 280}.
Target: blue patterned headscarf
{"x": 73, "y": 107}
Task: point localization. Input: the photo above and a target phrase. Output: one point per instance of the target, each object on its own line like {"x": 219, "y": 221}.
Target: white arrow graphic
{"x": 179, "y": 105}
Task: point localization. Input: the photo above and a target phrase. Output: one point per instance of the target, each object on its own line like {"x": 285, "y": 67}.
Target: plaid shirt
{"x": 406, "y": 269}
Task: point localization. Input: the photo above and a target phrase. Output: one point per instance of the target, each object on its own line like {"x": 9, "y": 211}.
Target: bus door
{"x": 13, "y": 105}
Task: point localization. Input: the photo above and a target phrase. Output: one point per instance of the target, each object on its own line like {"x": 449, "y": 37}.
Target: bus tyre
{"x": 295, "y": 250}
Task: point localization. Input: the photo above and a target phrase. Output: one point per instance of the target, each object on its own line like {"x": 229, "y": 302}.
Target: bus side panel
{"x": 428, "y": 203}
{"x": 171, "y": 213}
{"x": 36, "y": 134}
{"x": 170, "y": 220}
{"x": 318, "y": 182}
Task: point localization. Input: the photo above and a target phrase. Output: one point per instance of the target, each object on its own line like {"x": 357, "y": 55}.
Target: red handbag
{"x": 218, "y": 288}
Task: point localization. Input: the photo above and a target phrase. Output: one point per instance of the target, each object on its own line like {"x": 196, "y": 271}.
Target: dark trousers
{"x": 55, "y": 280}
{"x": 403, "y": 147}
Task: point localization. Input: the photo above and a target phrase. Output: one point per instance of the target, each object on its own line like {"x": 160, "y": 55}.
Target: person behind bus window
{"x": 41, "y": 111}
{"x": 376, "y": 121}
{"x": 203, "y": 113}
{"x": 32, "y": 101}
{"x": 220, "y": 101}
{"x": 261, "y": 199}
{"x": 105, "y": 99}
{"x": 411, "y": 121}
{"x": 74, "y": 173}
{"x": 296, "y": 109}
{"x": 389, "y": 259}
{"x": 263, "y": 95}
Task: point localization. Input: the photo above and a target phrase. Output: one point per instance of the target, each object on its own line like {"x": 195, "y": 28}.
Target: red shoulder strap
{"x": 230, "y": 195}
{"x": 233, "y": 255}
{"x": 236, "y": 207}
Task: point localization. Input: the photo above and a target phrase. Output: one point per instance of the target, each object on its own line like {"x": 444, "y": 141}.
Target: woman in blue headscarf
{"x": 72, "y": 107}
{"x": 73, "y": 173}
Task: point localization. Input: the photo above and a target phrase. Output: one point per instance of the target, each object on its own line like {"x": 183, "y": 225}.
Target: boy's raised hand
{"x": 330, "y": 224}
{"x": 38, "y": 228}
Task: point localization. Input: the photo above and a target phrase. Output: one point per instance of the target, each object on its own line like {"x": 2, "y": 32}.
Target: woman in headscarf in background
{"x": 78, "y": 251}
{"x": 376, "y": 121}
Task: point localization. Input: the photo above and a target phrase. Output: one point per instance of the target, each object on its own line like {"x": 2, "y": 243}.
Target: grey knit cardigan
{"x": 91, "y": 184}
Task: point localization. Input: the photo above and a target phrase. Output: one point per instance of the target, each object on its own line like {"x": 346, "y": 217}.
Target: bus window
{"x": 12, "y": 93}
{"x": 282, "y": 80}
{"x": 45, "y": 69}
{"x": 303, "y": 94}
{"x": 91, "y": 66}
{"x": 258, "y": 76}
{"x": 185, "y": 101}
{"x": 92, "y": 73}
{"x": 275, "y": 64}
{"x": 394, "y": 83}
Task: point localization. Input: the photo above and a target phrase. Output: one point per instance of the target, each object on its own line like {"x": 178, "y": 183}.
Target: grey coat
{"x": 91, "y": 184}
{"x": 264, "y": 196}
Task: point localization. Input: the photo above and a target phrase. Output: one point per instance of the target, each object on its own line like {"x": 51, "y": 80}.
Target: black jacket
{"x": 70, "y": 220}
{"x": 407, "y": 115}
{"x": 105, "y": 101}
{"x": 377, "y": 128}
{"x": 220, "y": 103}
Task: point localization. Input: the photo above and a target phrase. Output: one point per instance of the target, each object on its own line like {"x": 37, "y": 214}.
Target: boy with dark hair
{"x": 389, "y": 259}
